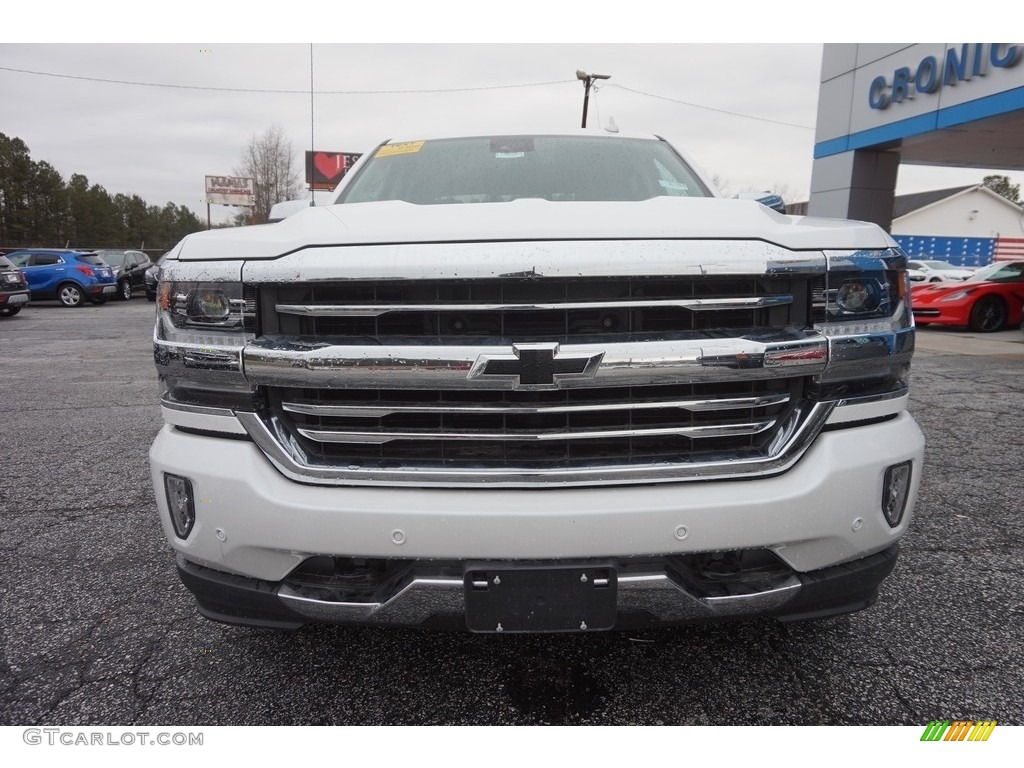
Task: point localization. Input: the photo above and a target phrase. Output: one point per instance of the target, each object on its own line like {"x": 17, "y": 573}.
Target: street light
{"x": 588, "y": 80}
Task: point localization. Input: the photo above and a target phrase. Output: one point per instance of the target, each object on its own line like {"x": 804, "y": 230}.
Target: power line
{"x": 385, "y": 92}
{"x": 711, "y": 109}
{"x": 274, "y": 90}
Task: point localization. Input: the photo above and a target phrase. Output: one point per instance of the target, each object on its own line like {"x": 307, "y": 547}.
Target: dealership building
{"x": 941, "y": 104}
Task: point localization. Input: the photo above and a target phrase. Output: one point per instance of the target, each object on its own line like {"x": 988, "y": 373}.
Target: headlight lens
{"x": 208, "y": 306}
{"x": 202, "y": 305}
{"x": 859, "y": 296}
{"x": 865, "y": 295}
{"x": 958, "y": 295}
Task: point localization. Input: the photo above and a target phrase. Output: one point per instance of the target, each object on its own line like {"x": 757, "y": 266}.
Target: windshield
{"x": 939, "y": 265}
{"x": 999, "y": 272}
{"x": 504, "y": 168}
{"x": 113, "y": 258}
{"x": 91, "y": 258}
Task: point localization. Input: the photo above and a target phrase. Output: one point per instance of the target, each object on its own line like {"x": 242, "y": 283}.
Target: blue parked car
{"x": 72, "y": 277}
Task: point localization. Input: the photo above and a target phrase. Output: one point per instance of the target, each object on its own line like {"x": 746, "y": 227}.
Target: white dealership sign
{"x": 230, "y": 190}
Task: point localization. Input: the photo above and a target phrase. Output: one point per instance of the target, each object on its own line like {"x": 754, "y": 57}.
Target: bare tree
{"x": 1002, "y": 185}
{"x": 269, "y": 159}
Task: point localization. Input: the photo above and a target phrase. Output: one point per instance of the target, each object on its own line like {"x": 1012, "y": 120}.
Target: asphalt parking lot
{"x": 96, "y": 629}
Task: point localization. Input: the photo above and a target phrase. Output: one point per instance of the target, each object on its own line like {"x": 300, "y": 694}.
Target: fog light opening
{"x": 180, "y": 502}
{"x": 895, "y": 491}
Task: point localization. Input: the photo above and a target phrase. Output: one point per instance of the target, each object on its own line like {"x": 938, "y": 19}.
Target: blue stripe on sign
{"x": 996, "y": 104}
{"x": 958, "y": 251}
{"x": 979, "y": 109}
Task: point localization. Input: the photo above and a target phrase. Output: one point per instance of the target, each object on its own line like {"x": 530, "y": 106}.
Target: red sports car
{"x": 991, "y": 299}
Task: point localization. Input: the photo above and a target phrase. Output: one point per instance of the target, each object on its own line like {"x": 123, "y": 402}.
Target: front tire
{"x": 9, "y": 311}
{"x": 988, "y": 314}
{"x": 70, "y": 295}
{"x": 124, "y": 290}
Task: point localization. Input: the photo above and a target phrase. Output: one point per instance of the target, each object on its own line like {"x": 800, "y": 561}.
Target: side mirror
{"x": 769, "y": 199}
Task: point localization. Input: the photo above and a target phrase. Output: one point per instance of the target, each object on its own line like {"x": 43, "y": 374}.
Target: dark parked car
{"x": 153, "y": 277}
{"x": 14, "y": 293}
{"x": 72, "y": 277}
{"x": 129, "y": 270}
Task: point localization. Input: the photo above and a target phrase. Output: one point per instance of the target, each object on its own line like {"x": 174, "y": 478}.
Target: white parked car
{"x": 534, "y": 383}
{"x": 932, "y": 271}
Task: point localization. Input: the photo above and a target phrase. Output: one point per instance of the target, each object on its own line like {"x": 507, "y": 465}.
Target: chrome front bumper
{"x": 643, "y": 599}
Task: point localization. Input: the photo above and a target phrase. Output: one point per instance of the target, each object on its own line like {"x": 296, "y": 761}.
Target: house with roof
{"x": 970, "y": 225}
{"x": 971, "y": 211}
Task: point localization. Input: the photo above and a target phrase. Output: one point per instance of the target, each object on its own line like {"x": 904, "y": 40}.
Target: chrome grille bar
{"x": 378, "y": 411}
{"x": 376, "y": 310}
{"x": 293, "y": 361}
{"x": 793, "y": 437}
{"x": 381, "y": 437}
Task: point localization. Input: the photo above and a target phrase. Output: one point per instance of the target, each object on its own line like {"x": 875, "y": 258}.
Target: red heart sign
{"x": 330, "y": 165}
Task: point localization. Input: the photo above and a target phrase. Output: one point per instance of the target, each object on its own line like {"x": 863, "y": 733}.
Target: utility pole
{"x": 588, "y": 80}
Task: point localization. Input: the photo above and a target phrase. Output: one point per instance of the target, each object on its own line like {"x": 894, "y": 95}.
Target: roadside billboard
{"x": 230, "y": 190}
{"x": 325, "y": 169}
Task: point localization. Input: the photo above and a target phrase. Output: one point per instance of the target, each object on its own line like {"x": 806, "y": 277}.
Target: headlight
{"x": 858, "y": 296}
{"x": 203, "y": 305}
{"x": 202, "y": 326}
{"x": 862, "y": 306}
{"x": 864, "y": 295}
{"x": 958, "y": 295}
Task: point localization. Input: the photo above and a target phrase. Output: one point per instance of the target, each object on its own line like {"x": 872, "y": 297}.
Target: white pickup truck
{"x": 534, "y": 383}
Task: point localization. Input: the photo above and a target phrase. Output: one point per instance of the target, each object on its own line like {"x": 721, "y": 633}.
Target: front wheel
{"x": 70, "y": 295}
{"x": 124, "y": 290}
{"x": 9, "y": 311}
{"x": 988, "y": 314}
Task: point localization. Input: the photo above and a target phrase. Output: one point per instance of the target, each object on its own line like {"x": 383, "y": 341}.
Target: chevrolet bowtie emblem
{"x": 535, "y": 366}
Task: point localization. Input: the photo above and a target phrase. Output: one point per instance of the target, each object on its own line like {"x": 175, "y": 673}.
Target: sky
{"x": 743, "y": 112}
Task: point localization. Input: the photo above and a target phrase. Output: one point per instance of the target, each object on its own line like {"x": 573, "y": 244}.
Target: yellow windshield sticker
{"x": 405, "y": 148}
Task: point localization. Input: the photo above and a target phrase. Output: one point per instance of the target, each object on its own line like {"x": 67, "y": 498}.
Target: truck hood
{"x": 662, "y": 218}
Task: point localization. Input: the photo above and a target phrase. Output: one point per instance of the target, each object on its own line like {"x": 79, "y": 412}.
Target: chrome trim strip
{"x": 226, "y": 425}
{"x": 212, "y": 365}
{"x": 868, "y": 408}
{"x": 895, "y": 394}
{"x": 694, "y": 305}
{"x": 417, "y": 601}
{"x": 290, "y": 361}
{"x": 655, "y": 593}
{"x": 377, "y": 411}
{"x": 381, "y": 437}
{"x": 204, "y": 410}
{"x": 283, "y": 450}
{"x": 210, "y": 360}
{"x": 669, "y": 601}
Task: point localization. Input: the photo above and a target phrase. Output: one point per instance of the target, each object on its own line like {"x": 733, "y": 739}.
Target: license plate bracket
{"x": 543, "y": 598}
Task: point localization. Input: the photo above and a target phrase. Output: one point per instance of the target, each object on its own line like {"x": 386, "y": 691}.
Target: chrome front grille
{"x": 527, "y": 381}
{"x": 563, "y": 429}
